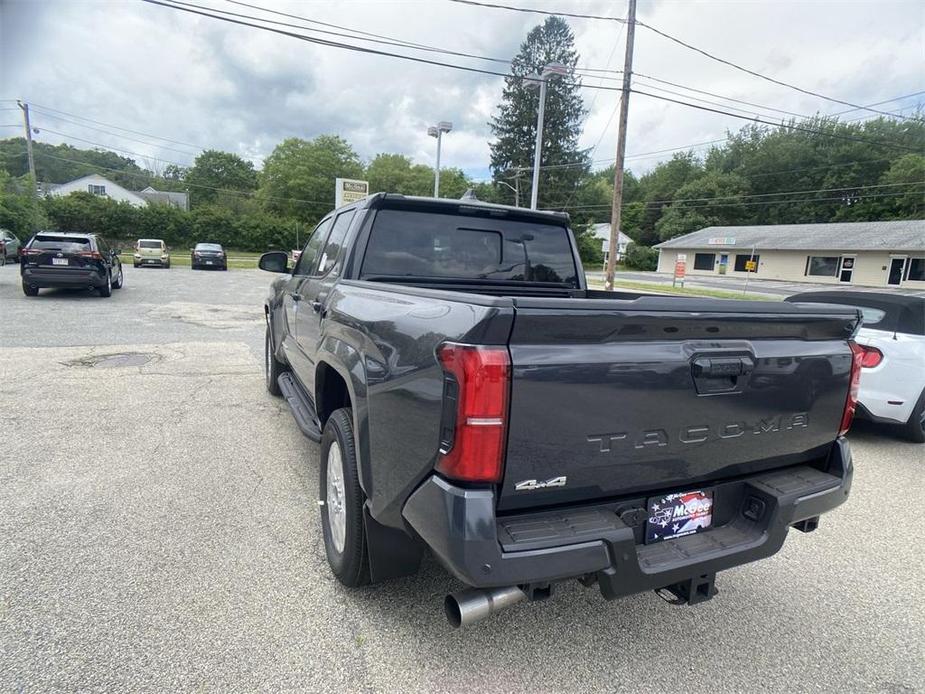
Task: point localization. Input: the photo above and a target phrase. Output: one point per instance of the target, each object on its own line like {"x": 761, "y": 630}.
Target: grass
{"x": 684, "y": 291}
{"x": 246, "y": 260}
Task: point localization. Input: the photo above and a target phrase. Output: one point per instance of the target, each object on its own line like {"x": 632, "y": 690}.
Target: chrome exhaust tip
{"x": 470, "y": 606}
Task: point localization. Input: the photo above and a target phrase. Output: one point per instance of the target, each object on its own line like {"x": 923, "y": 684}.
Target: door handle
{"x": 317, "y": 306}
{"x": 295, "y": 296}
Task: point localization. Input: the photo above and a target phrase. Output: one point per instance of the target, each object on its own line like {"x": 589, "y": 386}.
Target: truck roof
{"x": 398, "y": 201}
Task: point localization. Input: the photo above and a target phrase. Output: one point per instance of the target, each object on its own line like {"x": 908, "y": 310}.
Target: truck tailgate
{"x": 638, "y": 396}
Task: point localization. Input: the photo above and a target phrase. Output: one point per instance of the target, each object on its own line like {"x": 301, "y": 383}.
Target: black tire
{"x": 167, "y": 266}
{"x": 29, "y": 291}
{"x": 134, "y": 264}
{"x": 915, "y": 427}
{"x": 120, "y": 280}
{"x": 272, "y": 367}
{"x": 351, "y": 564}
{"x": 106, "y": 289}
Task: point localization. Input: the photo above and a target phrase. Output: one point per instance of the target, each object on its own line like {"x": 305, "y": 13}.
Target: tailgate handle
{"x": 714, "y": 375}
{"x": 719, "y": 367}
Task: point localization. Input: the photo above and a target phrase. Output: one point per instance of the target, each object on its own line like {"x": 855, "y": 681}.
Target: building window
{"x": 916, "y": 269}
{"x": 704, "y": 261}
{"x": 822, "y": 265}
{"x": 96, "y": 190}
{"x": 742, "y": 259}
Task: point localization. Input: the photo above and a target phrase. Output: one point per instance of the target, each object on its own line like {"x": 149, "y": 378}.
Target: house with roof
{"x": 98, "y": 185}
{"x": 602, "y": 232}
{"x": 876, "y": 254}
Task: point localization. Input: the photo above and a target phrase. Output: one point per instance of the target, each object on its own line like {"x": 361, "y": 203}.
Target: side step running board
{"x": 302, "y": 408}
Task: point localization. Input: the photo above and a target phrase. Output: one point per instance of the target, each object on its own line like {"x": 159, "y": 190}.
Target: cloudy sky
{"x": 210, "y": 84}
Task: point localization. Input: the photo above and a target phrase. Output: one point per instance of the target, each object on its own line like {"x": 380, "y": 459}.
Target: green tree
{"x": 714, "y": 199}
{"x": 514, "y": 126}
{"x": 219, "y": 177}
{"x": 298, "y": 177}
{"x": 641, "y": 257}
{"x": 395, "y": 173}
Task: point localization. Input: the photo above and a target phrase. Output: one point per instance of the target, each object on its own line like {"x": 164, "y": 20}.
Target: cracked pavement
{"x": 160, "y": 532}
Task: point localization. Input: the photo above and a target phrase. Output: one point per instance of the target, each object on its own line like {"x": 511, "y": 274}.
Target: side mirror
{"x": 116, "y": 251}
{"x": 274, "y": 261}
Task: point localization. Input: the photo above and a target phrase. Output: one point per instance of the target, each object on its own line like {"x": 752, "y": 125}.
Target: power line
{"x": 531, "y": 10}
{"x": 853, "y": 200}
{"x": 372, "y": 51}
{"x": 689, "y": 46}
{"x": 765, "y": 77}
{"x": 778, "y": 125}
{"x": 116, "y": 127}
{"x": 750, "y": 196}
{"x": 107, "y": 132}
{"x": 117, "y": 149}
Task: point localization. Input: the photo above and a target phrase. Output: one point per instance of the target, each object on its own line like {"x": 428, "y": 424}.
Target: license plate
{"x": 208, "y": 262}
{"x": 59, "y": 261}
{"x": 676, "y": 515}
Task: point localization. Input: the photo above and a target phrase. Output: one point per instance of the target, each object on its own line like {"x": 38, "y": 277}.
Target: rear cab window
{"x": 459, "y": 246}
{"x": 65, "y": 244}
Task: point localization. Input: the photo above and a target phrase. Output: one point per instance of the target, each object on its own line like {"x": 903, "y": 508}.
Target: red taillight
{"x": 871, "y": 357}
{"x": 29, "y": 251}
{"x": 483, "y": 380}
{"x": 96, "y": 255}
{"x": 851, "y": 403}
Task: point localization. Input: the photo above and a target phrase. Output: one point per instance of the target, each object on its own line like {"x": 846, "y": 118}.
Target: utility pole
{"x": 617, "y": 208}
{"x": 25, "y": 117}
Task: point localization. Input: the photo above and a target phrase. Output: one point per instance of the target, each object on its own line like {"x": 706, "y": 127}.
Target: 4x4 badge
{"x": 530, "y": 485}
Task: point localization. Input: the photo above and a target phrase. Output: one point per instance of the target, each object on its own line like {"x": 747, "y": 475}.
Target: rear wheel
{"x": 120, "y": 280}
{"x": 106, "y": 289}
{"x": 915, "y": 427}
{"x": 342, "y": 502}
{"x": 29, "y": 291}
{"x": 272, "y": 366}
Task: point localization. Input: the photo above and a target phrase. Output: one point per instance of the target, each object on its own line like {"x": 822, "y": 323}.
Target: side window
{"x": 313, "y": 248}
{"x": 331, "y": 256}
{"x": 101, "y": 245}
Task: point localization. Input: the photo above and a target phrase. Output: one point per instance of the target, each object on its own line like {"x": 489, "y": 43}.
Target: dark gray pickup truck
{"x": 474, "y": 398}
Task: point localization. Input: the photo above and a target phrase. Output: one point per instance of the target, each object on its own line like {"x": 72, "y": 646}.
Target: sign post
{"x": 751, "y": 265}
{"x": 680, "y": 268}
{"x": 347, "y": 190}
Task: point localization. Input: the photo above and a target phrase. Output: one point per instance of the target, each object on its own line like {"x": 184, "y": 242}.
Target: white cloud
{"x": 197, "y": 80}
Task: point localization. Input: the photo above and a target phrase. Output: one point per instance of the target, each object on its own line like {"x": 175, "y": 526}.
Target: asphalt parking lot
{"x": 160, "y": 532}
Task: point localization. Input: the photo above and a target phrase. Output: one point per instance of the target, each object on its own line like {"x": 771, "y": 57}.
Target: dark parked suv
{"x": 61, "y": 259}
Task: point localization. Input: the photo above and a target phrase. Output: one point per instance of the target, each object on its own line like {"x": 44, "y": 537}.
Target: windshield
{"x": 69, "y": 244}
{"x": 150, "y": 244}
{"x": 420, "y": 244}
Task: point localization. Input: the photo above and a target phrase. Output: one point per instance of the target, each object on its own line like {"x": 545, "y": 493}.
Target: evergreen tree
{"x": 514, "y": 127}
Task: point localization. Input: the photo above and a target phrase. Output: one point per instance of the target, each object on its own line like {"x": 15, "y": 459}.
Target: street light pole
{"x": 437, "y": 131}
{"x": 550, "y": 70}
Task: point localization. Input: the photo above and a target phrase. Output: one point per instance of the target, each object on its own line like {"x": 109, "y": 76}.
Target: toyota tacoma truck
{"x": 473, "y": 398}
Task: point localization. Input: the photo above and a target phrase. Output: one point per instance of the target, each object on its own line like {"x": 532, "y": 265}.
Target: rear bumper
{"x": 482, "y": 550}
{"x": 63, "y": 278}
{"x": 156, "y": 262}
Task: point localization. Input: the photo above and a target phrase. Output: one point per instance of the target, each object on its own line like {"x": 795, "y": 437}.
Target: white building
{"x": 97, "y": 185}
{"x": 602, "y": 232}
{"x": 877, "y": 254}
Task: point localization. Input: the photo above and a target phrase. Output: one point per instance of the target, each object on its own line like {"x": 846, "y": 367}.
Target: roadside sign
{"x": 751, "y": 265}
{"x": 722, "y": 241}
{"x": 680, "y": 267}
{"x": 347, "y": 190}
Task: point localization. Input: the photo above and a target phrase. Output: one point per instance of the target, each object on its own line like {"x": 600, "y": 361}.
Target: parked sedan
{"x": 208, "y": 255}
{"x": 151, "y": 252}
{"x": 60, "y": 259}
{"x": 9, "y": 247}
{"x": 892, "y": 336}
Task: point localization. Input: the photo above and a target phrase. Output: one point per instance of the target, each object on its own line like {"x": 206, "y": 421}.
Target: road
{"x": 160, "y": 533}
{"x": 727, "y": 283}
